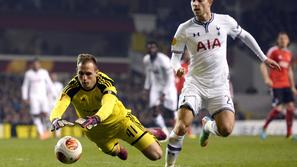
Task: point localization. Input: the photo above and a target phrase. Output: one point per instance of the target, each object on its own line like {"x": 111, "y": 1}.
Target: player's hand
{"x": 89, "y": 122}
{"x": 59, "y": 123}
{"x": 268, "y": 82}
{"x": 145, "y": 94}
{"x": 294, "y": 90}
{"x": 272, "y": 64}
{"x": 180, "y": 72}
{"x": 27, "y": 102}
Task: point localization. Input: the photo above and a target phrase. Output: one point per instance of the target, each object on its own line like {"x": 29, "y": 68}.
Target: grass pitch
{"x": 221, "y": 152}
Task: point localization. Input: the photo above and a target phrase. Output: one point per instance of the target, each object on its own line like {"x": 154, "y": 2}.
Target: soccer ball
{"x": 68, "y": 150}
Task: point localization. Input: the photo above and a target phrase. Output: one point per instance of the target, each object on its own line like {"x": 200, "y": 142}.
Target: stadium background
{"x": 116, "y": 31}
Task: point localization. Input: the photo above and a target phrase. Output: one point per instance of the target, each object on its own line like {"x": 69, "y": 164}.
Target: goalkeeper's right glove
{"x": 59, "y": 123}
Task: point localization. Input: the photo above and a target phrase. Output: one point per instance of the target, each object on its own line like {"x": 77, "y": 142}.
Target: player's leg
{"x": 159, "y": 119}
{"x": 289, "y": 118}
{"x": 35, "y": 111}
{"x": 154, "y": 105}
{"x": 288, "y": 99}
{"x": 185, "y": 118}
{"x": 108, "y": 145}
{"x": 277, "y": 104}
{"x": 222, "y": 111}
{"x": 45, "y": 112}
{"x": 135, "y": 134}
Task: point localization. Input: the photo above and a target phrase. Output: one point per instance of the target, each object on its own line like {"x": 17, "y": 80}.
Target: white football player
{"x": 35, "y": 89}
{"x": 159, "y": 82}
{"x": 207, "y": 81}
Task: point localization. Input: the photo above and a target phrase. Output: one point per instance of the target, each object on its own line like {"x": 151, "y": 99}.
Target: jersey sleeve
{"x": 106, "y": 85}
{"x": 234, "y": 28}
{"x": 270, "y": 53}
{"x": 179, "y": 41}
{"x": 147, "y": 81}
{"x": 60, "y": 106}
{"x": 25, "y": 87}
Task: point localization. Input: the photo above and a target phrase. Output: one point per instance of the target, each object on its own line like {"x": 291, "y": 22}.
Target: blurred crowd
{"x": 169, "y": 14}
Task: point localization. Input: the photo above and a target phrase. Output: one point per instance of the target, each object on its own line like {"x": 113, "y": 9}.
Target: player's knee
{"x": 155, "y": 154}
{"x": 181, "y": 128}
{"x": 225, "y": 130}
{"x": 290, "y": 107}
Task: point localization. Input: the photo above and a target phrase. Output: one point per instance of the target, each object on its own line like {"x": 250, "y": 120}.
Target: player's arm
{"x": 50, "y": 85}
{"x": 292, "y": 81}
{"x": 265, "y": 75}
{"x": 177, "y": 48}
{"x": 58, "y": 111}
{"x": 147, "y": 81}
{"x": 60, "y": 107}
{"x": 25, "y": 88}
{"x": 108, "y": 102}
{"x": 176, "y": 64}
{"x": 250, "y": 41}
{"x": 236, "y": 31}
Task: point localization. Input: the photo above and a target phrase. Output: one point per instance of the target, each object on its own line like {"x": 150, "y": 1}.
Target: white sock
{"x": 173, "y": 149}
{"x": 211, "y": 127}
{"x": 159, "y": 120}
{"x": 39, "y": 125}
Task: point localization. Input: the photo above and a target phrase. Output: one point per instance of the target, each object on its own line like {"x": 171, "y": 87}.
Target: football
{"x": 68, "y": 150}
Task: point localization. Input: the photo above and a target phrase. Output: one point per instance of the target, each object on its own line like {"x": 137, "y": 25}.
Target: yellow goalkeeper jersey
{"x": 101, "y": 100}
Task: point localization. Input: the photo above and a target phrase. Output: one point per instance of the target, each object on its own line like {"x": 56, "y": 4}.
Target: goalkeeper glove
{"x": 89, "y": 122}
{"x": 59, "y": 123}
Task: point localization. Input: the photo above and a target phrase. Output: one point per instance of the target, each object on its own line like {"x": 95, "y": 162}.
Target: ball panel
{"x": 68, "y": 150}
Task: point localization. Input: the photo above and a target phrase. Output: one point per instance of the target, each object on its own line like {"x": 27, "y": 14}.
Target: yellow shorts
{"x": 129, "y": 130}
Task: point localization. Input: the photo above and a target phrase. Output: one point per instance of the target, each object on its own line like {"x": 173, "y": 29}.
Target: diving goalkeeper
{"x": 102, "y": 115}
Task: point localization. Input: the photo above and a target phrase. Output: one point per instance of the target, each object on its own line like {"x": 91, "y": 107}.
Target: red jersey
{"x": 283, "y": 57}
{"x": 179, "y": 82}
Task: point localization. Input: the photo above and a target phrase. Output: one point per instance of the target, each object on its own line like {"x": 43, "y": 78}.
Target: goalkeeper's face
{"x": 87, "y": 75}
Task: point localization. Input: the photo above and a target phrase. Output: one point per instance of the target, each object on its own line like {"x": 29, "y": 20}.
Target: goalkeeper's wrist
{"x": 97, "y": 117}
{"x": 55, "y": 119}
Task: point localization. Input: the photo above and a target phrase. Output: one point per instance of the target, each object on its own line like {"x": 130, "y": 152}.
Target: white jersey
{"x": 58, "y": 86}
{"x": 207, "y": 43}
{"x": 159, "y": 72}
{"x": 36, "y": 84}
{"x": 160, "y": 80}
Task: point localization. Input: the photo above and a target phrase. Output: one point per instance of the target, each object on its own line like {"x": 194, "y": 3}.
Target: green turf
{"x": 221, "y": 152}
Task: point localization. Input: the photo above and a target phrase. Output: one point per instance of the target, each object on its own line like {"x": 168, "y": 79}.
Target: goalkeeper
{"x": 102, "y": 115}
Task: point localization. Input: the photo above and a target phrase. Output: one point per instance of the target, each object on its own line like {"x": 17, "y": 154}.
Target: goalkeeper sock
{"x": 173, "y": 148}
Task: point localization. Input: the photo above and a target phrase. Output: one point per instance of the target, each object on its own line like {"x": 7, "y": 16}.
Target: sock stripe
{"x": 171, "y": 148}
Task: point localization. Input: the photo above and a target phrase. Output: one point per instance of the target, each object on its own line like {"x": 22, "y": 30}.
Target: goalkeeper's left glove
{"x": 89, "y": 122}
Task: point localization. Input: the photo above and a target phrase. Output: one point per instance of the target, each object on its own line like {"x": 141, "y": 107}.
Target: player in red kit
{"x": 282, "y": 84}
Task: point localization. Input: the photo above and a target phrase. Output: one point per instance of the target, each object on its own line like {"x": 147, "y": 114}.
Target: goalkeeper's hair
{"x": 84, "y": 58}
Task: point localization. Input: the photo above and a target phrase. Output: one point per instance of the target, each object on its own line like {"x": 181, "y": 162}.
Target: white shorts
{"x": 170, "y": 101}
{"x": 193, "y": 97}
{"x": 38, "y": 105}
